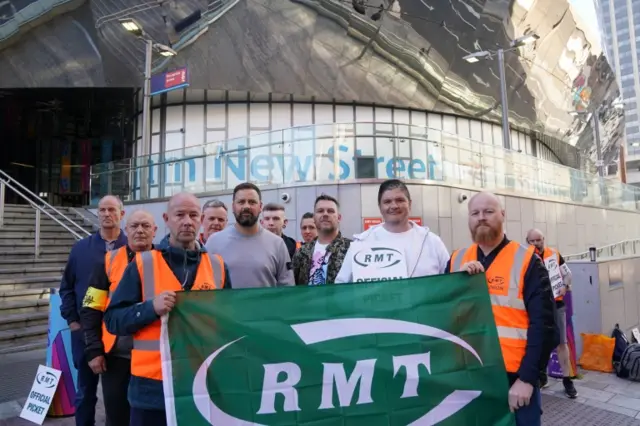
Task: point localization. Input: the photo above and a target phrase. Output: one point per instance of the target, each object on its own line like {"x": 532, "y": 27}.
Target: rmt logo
{"x": 379, "y": 257}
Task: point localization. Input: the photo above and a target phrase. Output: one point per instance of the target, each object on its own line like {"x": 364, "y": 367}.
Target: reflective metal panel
{"x": 407, "y": 53}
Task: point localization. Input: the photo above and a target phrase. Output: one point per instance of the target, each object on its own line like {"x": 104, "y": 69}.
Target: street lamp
{"x": 134, "y": 27}
{"x": 477, "y": 56}
{"x": 595, "y": 115}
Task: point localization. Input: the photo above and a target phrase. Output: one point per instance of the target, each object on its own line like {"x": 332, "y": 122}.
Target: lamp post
{"x": 595, "y": 115}
{"x": 477, "y": 56}
{"x": 132, "y": 26}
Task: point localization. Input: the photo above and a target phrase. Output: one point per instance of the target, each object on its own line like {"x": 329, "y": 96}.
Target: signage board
{"x": 44, "y": 387}
{"x": 168, "y": 81}
{"x": 368, "y": 222}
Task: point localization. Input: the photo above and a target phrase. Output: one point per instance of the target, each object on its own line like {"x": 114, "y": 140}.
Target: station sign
{"x": 171, "y": 80}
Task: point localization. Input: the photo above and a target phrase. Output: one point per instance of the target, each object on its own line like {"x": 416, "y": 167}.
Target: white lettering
{"x": 271, "y": 387}
{"x": 334, "y": 373}
{"x": 411, "y": 364}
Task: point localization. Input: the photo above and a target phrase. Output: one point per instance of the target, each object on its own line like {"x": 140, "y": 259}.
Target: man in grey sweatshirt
{"x": 255, "y": 257}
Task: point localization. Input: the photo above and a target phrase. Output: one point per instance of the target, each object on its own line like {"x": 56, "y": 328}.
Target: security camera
{"x": 462, "y": 198}
{"x": 285, "y": 197}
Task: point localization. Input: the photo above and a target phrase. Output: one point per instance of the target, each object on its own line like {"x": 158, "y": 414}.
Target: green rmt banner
{"x": 421, "y": 351}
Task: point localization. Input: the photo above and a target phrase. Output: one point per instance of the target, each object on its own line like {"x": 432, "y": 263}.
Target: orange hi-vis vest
{"x": 298, "y": 245}
{"x": 115, "y": 262}
{"x": 551, "y": 260}
{"x": 156, "y": 276}
{"x": 505, "y": 278}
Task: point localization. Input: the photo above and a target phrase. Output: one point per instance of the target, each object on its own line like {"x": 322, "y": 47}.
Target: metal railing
{"x": 619, "y": 249}
{"x": 7, "y": 181}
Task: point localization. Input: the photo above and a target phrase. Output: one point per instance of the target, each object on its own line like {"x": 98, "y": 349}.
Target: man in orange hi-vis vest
{"x": 107, "y": 354}
{"x": 520, "y": 294}
{"x": 147, "y": 291}
{"x": 560, "y": 278}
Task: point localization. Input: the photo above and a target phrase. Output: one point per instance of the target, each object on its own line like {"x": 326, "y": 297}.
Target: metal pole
{"x": 37, "y": 242}
{"x": 146, "y": 128}
{"x": 506, "y": 132}
{"x": 2, "y": 192}
{"x": 596, "y": 129}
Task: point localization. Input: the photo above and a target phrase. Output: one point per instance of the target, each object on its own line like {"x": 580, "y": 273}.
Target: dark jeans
{"x": 531, "y": 415}
{"x": 140, "y": 417}
{"x": 86, "y": 395}
{"x": 115, "y": 385}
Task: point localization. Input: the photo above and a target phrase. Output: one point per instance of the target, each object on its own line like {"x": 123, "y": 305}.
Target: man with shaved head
{"x": 560, "y": 277}
{"x": 147, "y": 291}
{"x": 83, "y": 258}
{"x": 521, "y": 299}
{"x": 107, "y": 354}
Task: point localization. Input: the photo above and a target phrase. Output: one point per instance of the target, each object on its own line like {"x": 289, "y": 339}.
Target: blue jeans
{"x": 531, "y": 415}
{"x": 141, "y": 417}
{"x": 86, "y": 395}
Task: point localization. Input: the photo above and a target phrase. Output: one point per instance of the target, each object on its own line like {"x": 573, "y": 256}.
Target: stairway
{"x": 24, "y": 279}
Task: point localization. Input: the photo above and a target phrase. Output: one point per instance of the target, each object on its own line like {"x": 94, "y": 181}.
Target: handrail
{"x": 8, "y": 179}
{"x": 626, "y": 248}
{"x": 39, "y": 209}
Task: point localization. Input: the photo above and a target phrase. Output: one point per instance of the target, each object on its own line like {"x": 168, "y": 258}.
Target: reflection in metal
{"x": 312, "y": 49}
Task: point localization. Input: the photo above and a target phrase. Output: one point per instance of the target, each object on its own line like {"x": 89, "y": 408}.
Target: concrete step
{"x": 10, "y": 233}
{"x": 44, "y": 262}
{"x": 17, "y": 347}
{"x": 22, "y": 271}
{"x": 28, "y": 253}
{"x": 17, "y": 321}
{"x": 20, "y": 337}
{"x": 44, "y": 227}
{"x": 53, "y": 237}
{"x": 7, "y": 295}
{"x": 22, "y": 283}
{"x": 26, "y": 220}
{"x": 23, "y": 306}
{"x": 46, "y": 245}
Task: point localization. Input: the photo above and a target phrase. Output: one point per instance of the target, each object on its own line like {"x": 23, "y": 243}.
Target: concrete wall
{"x": 571, "y": 228}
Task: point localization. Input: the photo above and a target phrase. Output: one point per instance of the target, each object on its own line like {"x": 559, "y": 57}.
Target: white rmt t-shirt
{"x": 400, "y": 240}
{"x": 319, "y": 262}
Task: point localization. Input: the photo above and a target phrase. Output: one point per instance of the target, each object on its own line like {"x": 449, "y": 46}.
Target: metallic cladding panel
{"x": 324, "y": 50}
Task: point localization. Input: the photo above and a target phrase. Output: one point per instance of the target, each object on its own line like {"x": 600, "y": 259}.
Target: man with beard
{"x": 255, "y": 256}
{"x": 560, "y": 277}
{"x": 318, "y": 262}
{"x": 520, "y": 295}
{"x": 423, "y": 252}
{"x": 214, "y": 219}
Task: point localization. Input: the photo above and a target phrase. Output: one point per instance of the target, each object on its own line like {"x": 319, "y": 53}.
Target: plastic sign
{"x": 44, "y": 387}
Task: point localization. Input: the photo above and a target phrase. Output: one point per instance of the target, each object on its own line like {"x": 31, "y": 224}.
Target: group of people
{"x": 117, "y": 285}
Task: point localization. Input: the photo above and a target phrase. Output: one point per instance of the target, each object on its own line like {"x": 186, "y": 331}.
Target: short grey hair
{"x": 214, "y": 203}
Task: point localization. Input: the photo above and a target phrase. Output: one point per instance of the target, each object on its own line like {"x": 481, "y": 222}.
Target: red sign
{"x": 175, "y": 78}
{"x": 368, "y": 222}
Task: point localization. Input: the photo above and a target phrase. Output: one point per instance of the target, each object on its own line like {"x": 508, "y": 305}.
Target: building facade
{"x": 285, "y": 91}
{"x": 620, "y": 26}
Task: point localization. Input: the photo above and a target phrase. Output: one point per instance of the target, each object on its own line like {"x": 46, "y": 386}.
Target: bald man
{"x": 83, "y": 258}
{"x": 521, "y": 298}
{"x": 147, "y": 291}
{"x": 560, "y": 277}
{"x": 107, "y": 354}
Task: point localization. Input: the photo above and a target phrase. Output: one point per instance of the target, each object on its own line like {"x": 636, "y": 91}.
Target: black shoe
{"x": 569, "y": 389}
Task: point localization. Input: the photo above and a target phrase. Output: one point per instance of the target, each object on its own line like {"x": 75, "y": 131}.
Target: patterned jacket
{"x": 303, "y": 258}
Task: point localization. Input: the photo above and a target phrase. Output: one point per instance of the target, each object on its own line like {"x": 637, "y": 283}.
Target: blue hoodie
{"x": 127, "y": 313}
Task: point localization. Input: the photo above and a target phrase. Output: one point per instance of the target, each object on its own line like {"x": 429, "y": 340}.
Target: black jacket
{"x": 291, "y": 244}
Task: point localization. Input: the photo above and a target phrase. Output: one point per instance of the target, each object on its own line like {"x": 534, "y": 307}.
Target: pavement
{"x": 603, "y": 399}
